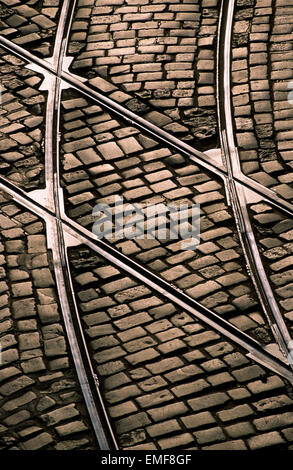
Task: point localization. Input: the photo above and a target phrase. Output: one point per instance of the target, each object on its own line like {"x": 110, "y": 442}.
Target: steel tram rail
{"x": 237, "y": 194}
{"x": 204, "y": 160}
{"x": 254, "y": 349}
{"x": 84, "y": 369}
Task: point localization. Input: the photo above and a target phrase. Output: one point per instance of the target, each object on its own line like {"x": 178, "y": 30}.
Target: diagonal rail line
{"x": 254, "y": 349}
{"x": 200, "y": 158}
{"x": 59, "y": 225}
{"x": 55, "y": 239}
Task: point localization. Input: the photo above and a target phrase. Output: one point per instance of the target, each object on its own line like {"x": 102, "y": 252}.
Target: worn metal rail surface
{"x": 50, "y": 197}
{"x": 237, "y": 195}
{"x": 43, "y": 66}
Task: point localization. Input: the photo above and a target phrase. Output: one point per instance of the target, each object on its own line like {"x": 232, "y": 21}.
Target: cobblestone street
{"x": 135, "y": 343}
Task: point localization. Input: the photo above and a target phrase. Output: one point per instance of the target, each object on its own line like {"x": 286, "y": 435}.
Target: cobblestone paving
{"x": 275, "y": 234}
{"x": 157, "y": 58}
{"x": 31, "y": 25}
{"x": 110, "y": 159}
{"x": 40, "y": 402}
{"x": 169, "y": 381}
{"x": 21, "y": 123}
{"x": 261, "y": 72}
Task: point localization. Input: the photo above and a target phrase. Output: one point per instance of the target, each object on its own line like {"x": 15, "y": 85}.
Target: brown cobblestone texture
{"x": 31, "y": 25}
{"x": 157, "y": 58}
{"x": 161, "y": 392}
{"x": 40, "y": 400}
{"x": 261, "y": 74}
{"x": 112, "y": 159}
{"x": 168, "y": 381}
{"x": 21, "y": 123}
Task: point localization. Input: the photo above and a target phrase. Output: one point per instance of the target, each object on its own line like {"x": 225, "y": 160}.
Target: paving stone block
{"x": 208, "y": 401}
{"x": 15, "y": 385}
{"x": 61, "y": 414}
{"x": 240, "y": 429}
{"x": 175, "y": 441}
{"x": 209, "y": 435}
{"x": 135, "y": 421}
{"x": 38, "y": 442}
{"x": 229, "y": 445}
{"x": 190, "y": 388}
{"x": 71, "y": 428}
{"x": 265, "y": 440}
{"x": 161, "y": 429}
{"x": 273, "y": 422}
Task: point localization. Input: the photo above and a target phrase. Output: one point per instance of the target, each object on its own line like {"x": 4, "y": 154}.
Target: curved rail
{"x": 55, "y": 235}
{"x": 237, "y": 194}
{"x": 62, "y": 224}
{"x": 254, "y": 349}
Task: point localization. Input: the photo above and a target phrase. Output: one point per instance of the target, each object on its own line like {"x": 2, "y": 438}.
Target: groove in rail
{"x": 237, "y": 195}
{"x": 55, "y": 236}
{"x": 203, "y": 159}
